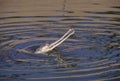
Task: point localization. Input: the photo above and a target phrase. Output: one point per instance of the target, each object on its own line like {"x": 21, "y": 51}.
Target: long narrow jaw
{"x": 50, "y": 47}
{"x": 62, "y": 39}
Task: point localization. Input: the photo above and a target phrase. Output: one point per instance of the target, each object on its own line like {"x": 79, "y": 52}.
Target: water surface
{"x": 91, "y": 54}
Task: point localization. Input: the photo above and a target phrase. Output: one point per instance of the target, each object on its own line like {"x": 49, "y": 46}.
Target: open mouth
{"x": 62, "y": 39}
{"x": 56, "y": 43}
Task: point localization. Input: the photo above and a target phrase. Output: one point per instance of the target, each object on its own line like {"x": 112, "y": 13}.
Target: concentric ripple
{"x": 91, "y": 54}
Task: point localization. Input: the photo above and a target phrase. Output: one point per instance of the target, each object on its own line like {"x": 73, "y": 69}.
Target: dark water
{"x": 91, "y": 54}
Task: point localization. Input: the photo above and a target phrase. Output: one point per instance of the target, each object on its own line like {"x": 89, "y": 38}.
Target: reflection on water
{"x": 91, "y": 54}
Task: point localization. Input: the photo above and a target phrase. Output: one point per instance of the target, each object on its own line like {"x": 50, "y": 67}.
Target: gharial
{"x": 49, "y": 47}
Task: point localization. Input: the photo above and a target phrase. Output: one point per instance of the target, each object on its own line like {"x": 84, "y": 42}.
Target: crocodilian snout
{"x": 49, "y": 47}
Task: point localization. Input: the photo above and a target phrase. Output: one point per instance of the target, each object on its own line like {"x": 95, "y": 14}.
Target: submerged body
{"x": 49, "y": 47}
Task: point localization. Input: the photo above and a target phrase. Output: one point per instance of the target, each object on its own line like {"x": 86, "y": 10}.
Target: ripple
{"x": 72, "y": 76}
